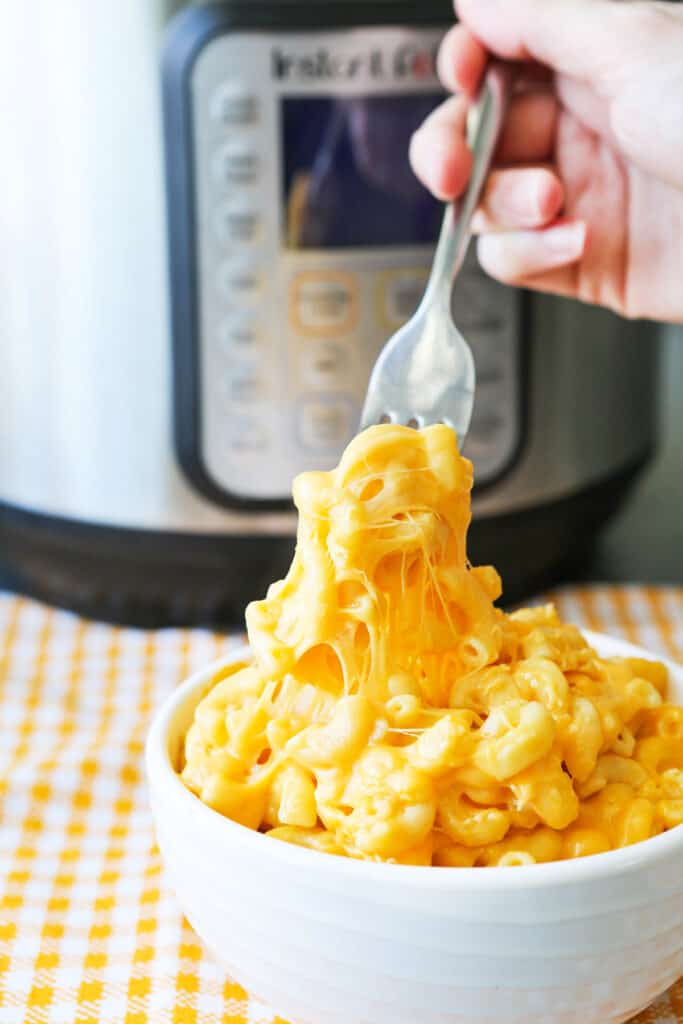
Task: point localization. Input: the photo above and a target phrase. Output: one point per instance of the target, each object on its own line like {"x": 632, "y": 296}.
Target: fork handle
{"x": 484, "y": 125}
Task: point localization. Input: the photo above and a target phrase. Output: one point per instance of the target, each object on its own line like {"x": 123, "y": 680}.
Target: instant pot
{"x": 208, "y": 228}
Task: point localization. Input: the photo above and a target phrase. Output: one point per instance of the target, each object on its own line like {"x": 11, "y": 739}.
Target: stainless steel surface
{"x": 645, "y": 542}
{"x": 62, "y": 452}
{"x": 425, "y": 373}
{"x": 85, "y": 374}
{"x": 589, "y": 374}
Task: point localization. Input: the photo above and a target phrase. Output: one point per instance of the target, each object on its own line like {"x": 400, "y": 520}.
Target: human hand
{"x": 586, "y": 198}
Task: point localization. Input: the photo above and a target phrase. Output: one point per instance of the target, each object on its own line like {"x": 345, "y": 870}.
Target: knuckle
{"x": 643, "y": 18}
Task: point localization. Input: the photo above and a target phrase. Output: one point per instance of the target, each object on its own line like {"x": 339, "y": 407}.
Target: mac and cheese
{"x": 392, "y": 712}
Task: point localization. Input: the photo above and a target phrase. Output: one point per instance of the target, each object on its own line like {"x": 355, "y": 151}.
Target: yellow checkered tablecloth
{"x": 89, "y": 934}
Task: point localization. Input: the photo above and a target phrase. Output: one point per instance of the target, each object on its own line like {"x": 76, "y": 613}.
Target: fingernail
{"x": 421, "y": 152}
{"x": 435, "y": 159}
{"x": 566, "y": 240}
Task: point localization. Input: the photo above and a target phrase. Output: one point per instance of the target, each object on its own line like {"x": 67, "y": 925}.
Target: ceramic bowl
{"x": 326, "y": 940}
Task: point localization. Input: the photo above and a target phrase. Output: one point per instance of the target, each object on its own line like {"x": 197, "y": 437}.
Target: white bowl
{"x": 325, "y": 940}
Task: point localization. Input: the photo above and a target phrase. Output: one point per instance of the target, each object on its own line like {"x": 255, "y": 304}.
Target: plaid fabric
{"x": 88, "y": 932}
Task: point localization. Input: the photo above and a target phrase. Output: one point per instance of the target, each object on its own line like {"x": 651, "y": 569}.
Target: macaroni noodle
{"x": 392, "y": 712}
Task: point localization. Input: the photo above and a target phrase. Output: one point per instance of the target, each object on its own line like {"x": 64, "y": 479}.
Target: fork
{"x": 425, "y": 373}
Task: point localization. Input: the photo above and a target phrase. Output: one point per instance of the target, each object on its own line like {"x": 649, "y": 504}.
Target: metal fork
{"x": 425, "y": 372}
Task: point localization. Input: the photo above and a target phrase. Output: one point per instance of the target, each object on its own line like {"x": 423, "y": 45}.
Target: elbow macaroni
{"x": 392, "y": 712}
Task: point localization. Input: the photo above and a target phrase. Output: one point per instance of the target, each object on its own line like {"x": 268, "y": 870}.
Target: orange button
{"x": 324, "y": 304}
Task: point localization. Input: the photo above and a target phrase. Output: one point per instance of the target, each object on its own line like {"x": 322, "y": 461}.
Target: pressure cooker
{"x": 208, "y": 228}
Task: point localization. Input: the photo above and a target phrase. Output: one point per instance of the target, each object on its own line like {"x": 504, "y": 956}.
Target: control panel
{"x": 307, "y": 244}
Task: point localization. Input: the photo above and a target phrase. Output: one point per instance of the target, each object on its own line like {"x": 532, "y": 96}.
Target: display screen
{"x": 347, "y": 178}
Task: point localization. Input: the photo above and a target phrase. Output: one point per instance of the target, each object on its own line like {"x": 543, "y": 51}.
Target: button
{"x": 324, "y": 304}
{"x": 239, "y": 281}
{"x": 245, "y": 384}
{"x": 476, "y": 300}
{"x": 487, "y": 426}
{"x": 237, "y": 221}
{"x": 233, "y": 104}
{"x": 326, "y": 423}
{"x": 239, "y": 380}
{"x": 401, "y": 292}
{"x": 489, "y": 374}
{"x": 239, "y": 334}
{"x": 247, "y": 433}
{"x": 323, "y": 363}
{"x": 235, "y": 163}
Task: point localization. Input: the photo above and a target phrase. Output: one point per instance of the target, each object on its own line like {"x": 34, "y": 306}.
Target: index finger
{"x": 461, "y": 61}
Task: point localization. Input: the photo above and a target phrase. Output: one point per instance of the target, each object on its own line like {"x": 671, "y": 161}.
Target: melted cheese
{"x": 392, "y": 712}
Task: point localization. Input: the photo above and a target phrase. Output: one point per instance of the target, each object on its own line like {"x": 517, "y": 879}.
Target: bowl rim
{"x": 162, "y": 775}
